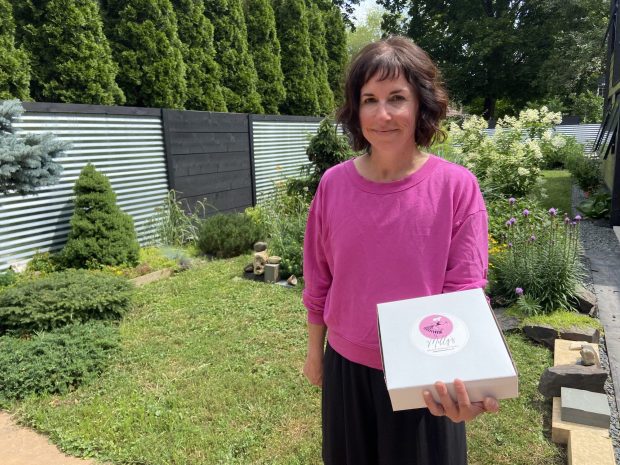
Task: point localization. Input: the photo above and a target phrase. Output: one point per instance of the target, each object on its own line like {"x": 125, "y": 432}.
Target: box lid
{"x": 440, "y": 338}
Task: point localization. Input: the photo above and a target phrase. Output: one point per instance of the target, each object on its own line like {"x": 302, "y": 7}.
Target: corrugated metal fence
{"x": 279, "y": 147}
{"x": 127, "y": 148}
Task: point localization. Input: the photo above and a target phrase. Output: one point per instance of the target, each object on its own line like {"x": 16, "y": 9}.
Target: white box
{"x": 441, "y": 338}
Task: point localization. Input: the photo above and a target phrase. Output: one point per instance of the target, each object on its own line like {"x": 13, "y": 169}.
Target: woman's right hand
{"x": 313, "y": 369}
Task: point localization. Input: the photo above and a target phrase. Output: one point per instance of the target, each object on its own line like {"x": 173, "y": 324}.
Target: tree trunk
{"x": 489, "y": 108}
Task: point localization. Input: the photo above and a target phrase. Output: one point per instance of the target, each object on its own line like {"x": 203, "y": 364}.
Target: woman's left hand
{"x": 462, "y": 409}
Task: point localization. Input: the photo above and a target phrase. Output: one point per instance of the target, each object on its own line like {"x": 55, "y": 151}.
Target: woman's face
{"x": 388, "y": 111}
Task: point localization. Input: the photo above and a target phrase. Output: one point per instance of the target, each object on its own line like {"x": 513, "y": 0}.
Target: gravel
{"x": 598, "y": 235}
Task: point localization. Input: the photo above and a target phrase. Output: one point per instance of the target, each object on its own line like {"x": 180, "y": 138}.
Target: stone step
{"x": 585, "y": 407}
{"x": 588, "y": 448}
{"x": 560, "y": 430}
{"x": 562, "y": 355}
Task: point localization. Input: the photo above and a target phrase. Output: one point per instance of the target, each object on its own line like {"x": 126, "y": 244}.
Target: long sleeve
{"x": 317, "y": 273}
{"x": 468, "y": 256}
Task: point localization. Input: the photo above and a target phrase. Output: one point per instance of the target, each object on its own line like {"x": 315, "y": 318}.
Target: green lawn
{"x": 210, "y": 373}
{"x": 558, "y": 185}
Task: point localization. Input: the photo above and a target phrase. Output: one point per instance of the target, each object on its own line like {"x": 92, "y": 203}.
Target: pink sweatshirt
{"x": 369, "y": 242}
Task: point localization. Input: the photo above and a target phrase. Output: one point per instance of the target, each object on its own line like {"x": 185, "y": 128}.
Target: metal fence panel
{"x": 128, "y": 149}
{"x": 279, "y": 149}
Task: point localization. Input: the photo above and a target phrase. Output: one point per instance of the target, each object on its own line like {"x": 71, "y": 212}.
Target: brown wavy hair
{"x": 388, "y": 58}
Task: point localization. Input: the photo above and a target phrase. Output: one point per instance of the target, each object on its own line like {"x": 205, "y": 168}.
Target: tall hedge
{"x": 204, "y": 91}
{"x": 297, "y": 63}
{"x": 336, "y": 46}
{"x": 239, "y": 77}
{"x": 146, "y": 45}
{"x": 71, "y": 57}
{"x": 265, "y": 48}
{"x": 324, "y": 93}
{"x": 101, "y": 234}
{"x": 14, "y": 64}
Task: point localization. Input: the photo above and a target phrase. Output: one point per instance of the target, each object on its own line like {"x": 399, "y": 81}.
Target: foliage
{"x": 101, "y": 234}
{"x": 173, "y": 226}
{"x": 586, "y": 171}
{"x": 227, "y": 235}
{"x": 366, "y": 32}
{"x": 55, "y": 362}
{"x": 506, "y": 164}
{"x": 562, "y": 320}
{"x": 598, "y": 205}
{"x": 206, "y": 349}
{"x": 239, "y": 78}
{"x": 284, "y": 216}
{"x": 203, "y": 74}
{"x": 146, "y": 45}
{"x": 63, "y": 298}
{"x": 336, "y": 45}
{"x": 44, "y": 262}
{"x": 589, "y": 106}
{"x": 542, "y": 262}
{"x": 26, "y": 162}
{"x": 14, "y": 62}
{"x": 265, "y": 49}
{"x": 297, "y": 61}
{"x": 324, "y": 94}
{"x": 516, "y": 51}
{"x": 499, "y": 210}
{"x": 7, "y": 278}
{"x": 558, "y": 150}
{"x": 151, "y": 259}
{"x": 71, "y": 57}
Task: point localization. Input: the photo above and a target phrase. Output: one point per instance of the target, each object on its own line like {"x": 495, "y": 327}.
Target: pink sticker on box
{"x": 439, "y": 334}
{"x": 436, "y": 326}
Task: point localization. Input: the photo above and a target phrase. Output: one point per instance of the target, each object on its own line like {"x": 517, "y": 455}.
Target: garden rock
{"x": 260, "y": 247}
{"x": 260, "y": 259}
{"x": 588, "y": 378}
{"x": 274, "y": 260}
{"x": 589, "y": 356}
{"x": 506, "y": 322}
{"x": 576, "y": 345}
{"x": 544, "y": 334}
{"x": 272, "y": 273}
{"x": 580, "y": 334}
{"x": 586, "y": 300}
{"x": 249, "y": 268}
{"x": 292, "y": 280}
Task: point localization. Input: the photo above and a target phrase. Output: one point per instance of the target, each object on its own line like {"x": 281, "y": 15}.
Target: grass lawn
{"x": 558, "y": 185}
{"x": 210, "y": 373}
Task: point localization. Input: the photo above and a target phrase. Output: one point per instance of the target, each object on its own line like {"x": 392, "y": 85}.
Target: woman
{"x": 394, "y": 223}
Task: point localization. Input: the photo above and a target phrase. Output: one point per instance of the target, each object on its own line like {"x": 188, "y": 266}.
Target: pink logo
{"x": 436, "y": 326}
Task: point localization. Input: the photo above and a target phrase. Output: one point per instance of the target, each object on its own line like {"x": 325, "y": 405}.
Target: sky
{"x": 362, "y": 9}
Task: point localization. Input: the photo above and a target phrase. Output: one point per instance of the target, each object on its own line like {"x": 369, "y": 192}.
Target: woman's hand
{"x": 462, "y": 409}
{"x": 313, "y": 368}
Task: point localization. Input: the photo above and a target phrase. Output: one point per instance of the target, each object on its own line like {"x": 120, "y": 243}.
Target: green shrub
{"x": 62, "y": 298}
{"x": 540, "y": 267}
{"x": 173, "y": 226}
{"x": 7, "y": 278}
{"x": 500, "y": 210}
{"x": 558, "y": 150}
{"x": 586, "y": 172}
{"x": 101, "y": 234}
{"x": 54, "y": 362}
{"x": 596, "y": 206}
{"x": 227, "y": 235}
{"x": 44, "y": 262}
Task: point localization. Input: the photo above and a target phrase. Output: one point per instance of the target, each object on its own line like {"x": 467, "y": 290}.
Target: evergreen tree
{"x": 71, "y": 58}
{"x": 336, "y": 45}
{"x": 239, "y": 76}
{"x": 265, "y": 48}
{"x": 101, "y": 234}
{"x": 204, "y": 91}
{"x": 324, "y": 94}
{"x": 14, "y": 65}
{"x": 146, "y": 45}
{"x": 297, "y": 63}
{"x": 26, "y": 162}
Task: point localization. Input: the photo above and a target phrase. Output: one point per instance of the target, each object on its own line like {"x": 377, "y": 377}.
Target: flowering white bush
{"x": 509, "y": 162}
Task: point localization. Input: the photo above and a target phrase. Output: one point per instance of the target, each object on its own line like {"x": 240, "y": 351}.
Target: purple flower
{"x": 510, "y": 245}
{"x": 519, "y": 291}
{"x": 578, "y": 218}
{"x": 526, "y": 212}
{"x": 513, "y": 220}
{"x": 508, "y": 224}
{"x": 532, "y": 238}
{"x": 512, "y": 200}
{"x": 553, "y": 212}
{"x": 566, "y": 220}
{"x": 573, "y": 223}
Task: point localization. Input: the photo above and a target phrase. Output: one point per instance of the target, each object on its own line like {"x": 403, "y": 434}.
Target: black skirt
{"x": 360, "y": 428}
